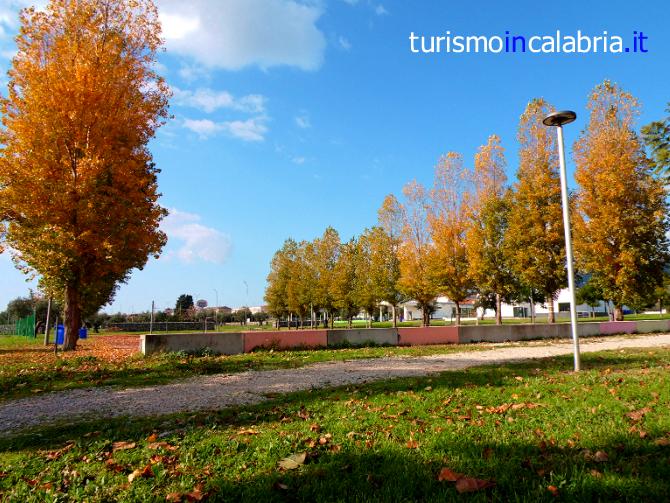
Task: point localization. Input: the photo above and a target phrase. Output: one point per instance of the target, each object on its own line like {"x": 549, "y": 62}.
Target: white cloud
{"x": 344, "y": 43}
{"x": 191, "y": 73}
{"x": 196, "y": 242}
{"x": 202, "y": 127}
{"x": 252, "y": 130}
{"x": 298, "y": 160}
{"x": 248, "y": 130}
{"x": 209, "y": 100}
{"x": 380, "y": 10}
{"x": 233, "y": 34}
{"x": 303, "y": 122}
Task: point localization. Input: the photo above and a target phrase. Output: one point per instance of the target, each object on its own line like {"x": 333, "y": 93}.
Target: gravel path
{"x": 222, "y": 391}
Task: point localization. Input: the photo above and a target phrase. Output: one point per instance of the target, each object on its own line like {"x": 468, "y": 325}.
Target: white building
{"x": 446, "y": 309}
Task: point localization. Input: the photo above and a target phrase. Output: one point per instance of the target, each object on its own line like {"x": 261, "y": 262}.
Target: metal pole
{"x": 151, "y": 320}
{"x": 568, "y": 247}
{"x": 46, "y": 326}
{"x": 216, "y": 310}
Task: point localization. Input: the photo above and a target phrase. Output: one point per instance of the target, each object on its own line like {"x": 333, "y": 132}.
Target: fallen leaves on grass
{"x": 122, "y": 446}
{"x": 464, "y": 484}
{"x": 161, "y": 445}
{"x": 601, "y": 457}
{"x": 248, "y": 431}
{"x": 447, "y": 474}
{"x": 469, "y": 485}
{"x": 294, "y": 461}
{"x": 553, "y": 490}
{"x": 53, "y": 455}
{"x": 195, "y": 495}
{"x": 637, "y": 415}
{"x": 144, "y": 473}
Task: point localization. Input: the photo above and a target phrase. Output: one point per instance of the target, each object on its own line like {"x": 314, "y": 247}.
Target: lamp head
{"x": 559, "y": 118}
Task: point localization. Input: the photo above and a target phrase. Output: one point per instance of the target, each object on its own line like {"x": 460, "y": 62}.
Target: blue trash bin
{"x": 60, "y": 334}
{"x": 83, "y": 333}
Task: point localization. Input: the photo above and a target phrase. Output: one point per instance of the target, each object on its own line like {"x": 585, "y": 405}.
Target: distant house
{"x": 446, "y": 309}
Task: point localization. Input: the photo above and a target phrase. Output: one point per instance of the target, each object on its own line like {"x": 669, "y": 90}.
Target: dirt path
{"x": 221, "y": 391}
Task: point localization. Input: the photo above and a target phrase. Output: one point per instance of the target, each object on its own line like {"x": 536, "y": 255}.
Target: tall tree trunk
{"x": 618, "y": 312}
{"x": 551, "y": 317}
{"x": 458, "y": 313}
{"x": 498, "y": 309}
{"x": 350, "y": 322}
{"x": 331, "y": 319}
{"x": 395, "y": 317}
{"x": 72, "y": 318}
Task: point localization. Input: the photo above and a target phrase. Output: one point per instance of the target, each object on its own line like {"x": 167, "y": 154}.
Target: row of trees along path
{"x": 472, "y": 234}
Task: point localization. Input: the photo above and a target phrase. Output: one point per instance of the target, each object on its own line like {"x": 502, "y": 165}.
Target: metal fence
{"x": 8, "y": 329}
{"x": 26, "y": 326}
{"x": 163, "y": 326}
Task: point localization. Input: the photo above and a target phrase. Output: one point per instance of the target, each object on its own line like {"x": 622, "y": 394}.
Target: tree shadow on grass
{"x": 521, "y": 472}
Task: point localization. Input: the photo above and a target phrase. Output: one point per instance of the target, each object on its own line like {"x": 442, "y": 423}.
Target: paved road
{"x": 216, "y": 392}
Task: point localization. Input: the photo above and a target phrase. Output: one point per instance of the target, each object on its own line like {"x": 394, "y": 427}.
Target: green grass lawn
{"x": 10, "y": 342}
{"x": 535, "y": 430}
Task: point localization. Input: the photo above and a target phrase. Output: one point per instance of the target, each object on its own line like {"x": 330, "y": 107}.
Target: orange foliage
{"x": 620, "y": 232}
{"x": 78, "y": 188}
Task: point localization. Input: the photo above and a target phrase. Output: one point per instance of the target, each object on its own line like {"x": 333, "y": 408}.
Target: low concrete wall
{"x": 589, "y": 329}
{"x": 646, "y": 327}
{"x": 503, "y": 333}
{"x": 220, "y": 343}
{"x": 424, "y": 336}
{"x": 363, "y": 336}
{"x": 484, "y": 333}
{"x": 617, "y": 327}
{"x": 236, "y": 343}
{"x": 285, "y": 339}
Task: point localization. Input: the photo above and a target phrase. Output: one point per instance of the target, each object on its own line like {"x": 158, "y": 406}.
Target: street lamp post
{"x": 557, "y": 120}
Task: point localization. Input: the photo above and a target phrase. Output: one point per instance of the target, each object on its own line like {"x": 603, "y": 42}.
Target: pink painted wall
{"x": 285, "y": 339}
{"x": 617, "y": 327}
{"x": 420, "y": 336}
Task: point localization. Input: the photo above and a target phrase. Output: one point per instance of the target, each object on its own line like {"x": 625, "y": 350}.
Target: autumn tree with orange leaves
{"x": 415, "y": 280}
{"x": 448, "y": 219}
{"x": 78, "y": 189}
{"x": 621, "y": 229}
{"x": 489, "y": 220}
{"x": 535, "y": 241}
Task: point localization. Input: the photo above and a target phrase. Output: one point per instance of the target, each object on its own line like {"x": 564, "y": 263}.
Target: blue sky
{"x": 291, "y": 115}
